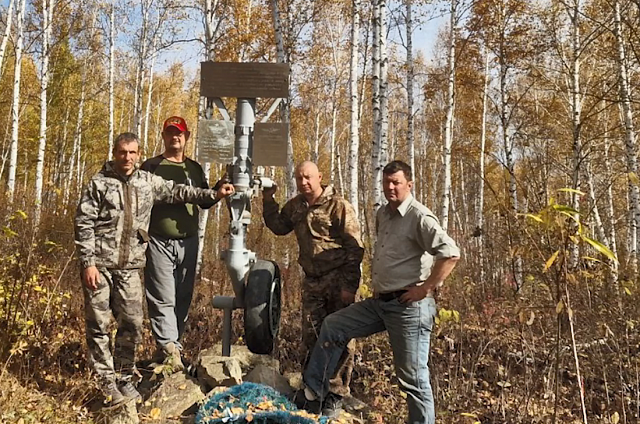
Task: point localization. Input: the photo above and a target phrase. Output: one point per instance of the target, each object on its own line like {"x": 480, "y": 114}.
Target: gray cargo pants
{"x": 169, "y": 279}
{"x": 119, "y": 293}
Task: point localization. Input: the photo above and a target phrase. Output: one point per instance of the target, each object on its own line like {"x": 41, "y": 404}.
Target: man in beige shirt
{"x": 413, "y": 256}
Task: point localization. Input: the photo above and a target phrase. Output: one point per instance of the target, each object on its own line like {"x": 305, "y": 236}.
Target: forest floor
{"x": 495, "y": 363}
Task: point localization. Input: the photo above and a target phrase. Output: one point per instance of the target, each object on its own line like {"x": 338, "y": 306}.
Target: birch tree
{"x": 7, "y": 33}
{"x": 410, "y": 83}
{"x": 630, "y": 138}
{"x": 285, "y": 111}
{"x": 448, "y": 126}
{"x": 15, "y": 107}
{"x": 213, "y": 16}
{"x": 112, "y": 60}
{"x": 354, "y": 126}
{"x": 47, "y": 18}
{"x": 479, "y": 231}
{"x": 379, "y": 99}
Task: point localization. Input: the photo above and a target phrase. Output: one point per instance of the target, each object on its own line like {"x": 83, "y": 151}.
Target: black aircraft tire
{"x": 262, "y": 307}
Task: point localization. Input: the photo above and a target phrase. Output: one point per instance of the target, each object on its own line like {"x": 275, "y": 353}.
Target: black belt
{"x": 387, "y": 297}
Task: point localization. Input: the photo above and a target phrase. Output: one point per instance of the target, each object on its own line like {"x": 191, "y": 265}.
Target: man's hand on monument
{"x": 225, "y": 190}
{"x": 91, "y": 277}
{"x": 269, "y": 192}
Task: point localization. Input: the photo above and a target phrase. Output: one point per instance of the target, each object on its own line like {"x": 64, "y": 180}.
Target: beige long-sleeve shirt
{"x": 409, "y": 239}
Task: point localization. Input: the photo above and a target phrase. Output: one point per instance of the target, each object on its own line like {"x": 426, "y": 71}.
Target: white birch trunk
{"x": 630, "y": 139}
{"x": 47, "y": 17}
{"x": 112, "y": 57}
{"x": 576, "y": 117}
{"x": 354, "y": 126}
{"x": 480, "y": 199}
{"x": 611, "y": 221}
{"x": 15, "y": 108}
{"x": 384, "y": 95}
{"x": 332, "y": 142}
{"x": 448, "y": 126}
{"x": 211, "y": 26}
{"x": 410, "y": 80}
{"x": 147, "y": 112}
{"x": 285, "y": 104}
{"x": 145, "y": 5}
{"x": 7, "y": 33}
{"x": 74, "y": 160}
{"x": 602, "y": 235}
{"x": 376, "y": 161}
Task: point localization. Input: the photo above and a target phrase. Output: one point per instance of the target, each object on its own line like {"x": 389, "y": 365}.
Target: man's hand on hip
{"x": 91, "y": 277}
{"x": 416, "y": 293}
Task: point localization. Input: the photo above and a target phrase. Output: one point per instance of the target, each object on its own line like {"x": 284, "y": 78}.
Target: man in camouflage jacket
{"x": 111, "y": 238}
{"x": 331, "y": 251}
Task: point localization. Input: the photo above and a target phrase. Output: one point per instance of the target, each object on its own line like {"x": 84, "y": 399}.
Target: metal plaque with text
{"x": 244, "y": 80}
{"x": 270, "y": 143}
{"x": 215, "y": 141}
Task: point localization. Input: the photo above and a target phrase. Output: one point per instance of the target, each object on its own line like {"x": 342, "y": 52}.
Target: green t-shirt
{"x": 175, "y": 221}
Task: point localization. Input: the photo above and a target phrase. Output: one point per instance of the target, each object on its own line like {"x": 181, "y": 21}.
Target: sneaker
{"x": 112, "y": 395}
{"x": 302, "y": 403}
{"x": 128, "y": 390}
{"x": 172, "y": 357}
{"x": 332, "y": 406}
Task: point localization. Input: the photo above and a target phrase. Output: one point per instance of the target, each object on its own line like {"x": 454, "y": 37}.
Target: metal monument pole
{"x": 256, "y": 283}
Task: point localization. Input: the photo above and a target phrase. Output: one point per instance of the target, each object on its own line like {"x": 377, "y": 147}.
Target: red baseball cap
{"x": 176, "y": 121}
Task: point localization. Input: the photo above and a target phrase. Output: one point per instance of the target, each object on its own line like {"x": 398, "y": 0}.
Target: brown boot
{"x": 172, "y": 357}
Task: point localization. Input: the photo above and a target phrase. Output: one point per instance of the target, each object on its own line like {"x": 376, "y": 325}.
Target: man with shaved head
{"x": 331, "y": 251}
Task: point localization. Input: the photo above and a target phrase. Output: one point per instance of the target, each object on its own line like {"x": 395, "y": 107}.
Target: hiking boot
{"x": 332, "y": 406}
{"x": 112, "y": 395}
{"x": 302, "y": 403}
{"x": 128, "y": 390}
{"x": 172, "y": 357}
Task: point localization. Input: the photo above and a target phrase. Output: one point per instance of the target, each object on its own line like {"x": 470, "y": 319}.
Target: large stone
{"x": 177, "y": 396}
{"x": 124, "y": 413}
{"x": 247, "y": 359}
{"x": 215, "y": 371}
{"x": 270, "y": 377}
{"x": 295, "y": 380}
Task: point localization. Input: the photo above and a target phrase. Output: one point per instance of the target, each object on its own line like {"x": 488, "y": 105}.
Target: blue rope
{"x": 261, "y": 403}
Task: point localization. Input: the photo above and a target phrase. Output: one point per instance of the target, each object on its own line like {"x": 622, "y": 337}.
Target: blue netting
{"x": 255, "y": 404}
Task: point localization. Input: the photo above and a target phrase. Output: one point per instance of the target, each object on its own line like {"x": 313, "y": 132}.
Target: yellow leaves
{"x": 615, "y": 418}
{"x": 182, "y": 387}
{"x": 572, "y": 190}
{"x": 535, "y": 217}
{"x": 155, "y": 413}
{"x": 527, "y": 318}
{"x": 446, "y": 315}
{"x": 559, "y": 307}
{"x": 601, "y": 248}
{"x": 471, "y": 415}
{"x": 8, "y": 232}
{"x": 18, "y": 348}
{"x": 633, "y": 179}
{"x": 550, "y": 261}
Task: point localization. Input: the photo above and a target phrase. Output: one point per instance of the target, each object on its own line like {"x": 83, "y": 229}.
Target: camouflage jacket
{"x": 328, "y": 234}
{"x": 113, "y": 215}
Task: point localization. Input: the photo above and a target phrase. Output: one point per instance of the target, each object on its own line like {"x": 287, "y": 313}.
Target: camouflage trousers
{"x": 321, "y": 296}
{"x": 119, "y": 293}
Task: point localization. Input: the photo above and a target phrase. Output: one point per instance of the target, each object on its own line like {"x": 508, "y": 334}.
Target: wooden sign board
{"x": 215, "y": 141}
{"x": 244, "y": 80}
{"x": 270, "y": 144}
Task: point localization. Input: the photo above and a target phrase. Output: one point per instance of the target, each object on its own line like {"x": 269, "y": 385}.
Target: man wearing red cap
{"x": 173, "y": 249}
